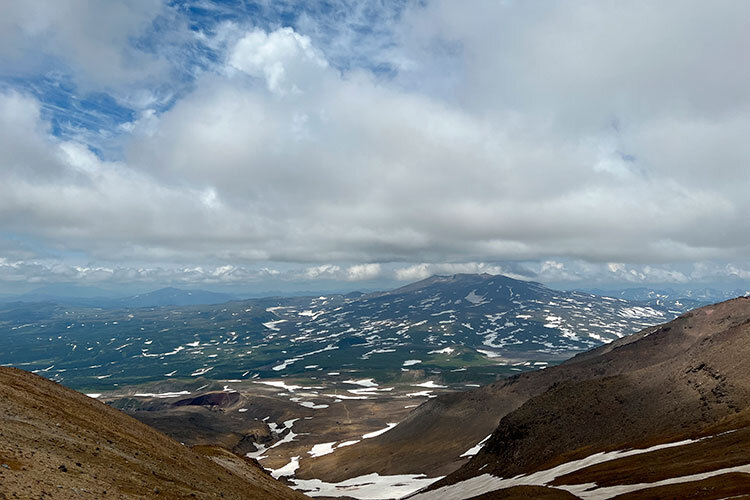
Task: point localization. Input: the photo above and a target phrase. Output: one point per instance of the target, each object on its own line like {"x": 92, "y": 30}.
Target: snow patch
{"x": 321, "y": 449}
{"x": 288, "y": 470}
{"x": 369, "y": 487}
{"x": 280, "y": 384}
{"x": 311, "y": 405}
{"x": 474, "y": 298}
{"x": 348, "y": 443}
{"x": 381, "y": 431}
{"x": 286, "y": 363}
{"x": 430, "y": 385}
{"x": 161, "y": 395}
{"x": 479, "y": 485}
{"x": 447, "y": 350}
{"x": 489, "y": 354}
{"x": 365, "y": 382}
{"x": 271, "y": 325}
{"x": 475, "y": 449}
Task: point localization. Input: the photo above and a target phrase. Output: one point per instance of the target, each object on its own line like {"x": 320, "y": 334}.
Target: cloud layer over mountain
{"x": 382, "y": 134}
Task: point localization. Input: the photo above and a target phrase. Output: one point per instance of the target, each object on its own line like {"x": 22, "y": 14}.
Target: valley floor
{"x": 288, "y": 424}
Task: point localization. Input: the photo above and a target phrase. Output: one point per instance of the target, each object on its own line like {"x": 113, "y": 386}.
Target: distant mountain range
{"x": 174, "y": 297}
{"x": 661, "y": 413}
{"x": 464, "y": 327}
{"x": 89, "y": 296}
{"x": 688, "y": 296}
{"x": 95, "y": 297}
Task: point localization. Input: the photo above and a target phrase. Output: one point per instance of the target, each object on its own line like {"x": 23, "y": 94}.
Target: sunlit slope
{"x": 57, "y": 443}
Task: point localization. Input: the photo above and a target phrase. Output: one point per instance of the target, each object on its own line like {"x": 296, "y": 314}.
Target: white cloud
{"x": 413, "y": 273}
{"x": 329, "y": 271}
{"x": 55, "y": 272}
{"x": 91, "y": 38}
{"x": 737, "y": 271}
{"x": 362, "y": 272}
{"x": 587, "y": 132}
{"x": 421, "y": 271}
{"x": 285, "y": 59}
{"x": 363, "y": 170}
{"x": 588, "y": 62}
{"x": 63, "y": 193}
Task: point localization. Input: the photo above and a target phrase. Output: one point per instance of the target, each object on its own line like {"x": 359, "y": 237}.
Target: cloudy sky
{"x": 354, "y": 143}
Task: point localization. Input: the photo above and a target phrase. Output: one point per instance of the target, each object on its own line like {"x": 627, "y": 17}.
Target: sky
{"x": 363, "y": 143}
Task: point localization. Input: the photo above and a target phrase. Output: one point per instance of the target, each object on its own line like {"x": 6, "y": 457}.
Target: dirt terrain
{"x": 661, "y": 414}
{"x": 57, "y": 443}
{"x": 526, "y": 493}
{"x": 251, "y": 416}
{"x": 708, "y": 381}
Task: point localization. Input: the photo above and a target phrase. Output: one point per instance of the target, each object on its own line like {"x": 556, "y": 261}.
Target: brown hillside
{"x": 686, "y": 383}
{"x": 703, "y": 379}
{"x": 58, "y": 443}
{"x": 433, "y": 436}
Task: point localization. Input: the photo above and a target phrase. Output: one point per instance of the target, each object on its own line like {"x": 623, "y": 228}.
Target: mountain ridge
{"x": 58, "y": 443}
{"x": 462, "y": 328}
{"x": 419, "y": 444}
{"x": 685, "y": 388}
{"x": 97, "y": 297}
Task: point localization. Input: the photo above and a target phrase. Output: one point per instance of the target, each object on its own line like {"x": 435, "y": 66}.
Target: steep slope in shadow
{"x": 57, "y": 443}
{"x": 687, "y": 380}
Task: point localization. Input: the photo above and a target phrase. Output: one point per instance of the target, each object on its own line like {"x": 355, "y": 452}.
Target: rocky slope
{"x": 57, "y": 443}
{"x": 662, "y": 383}
{"x": 662, "y": 414}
